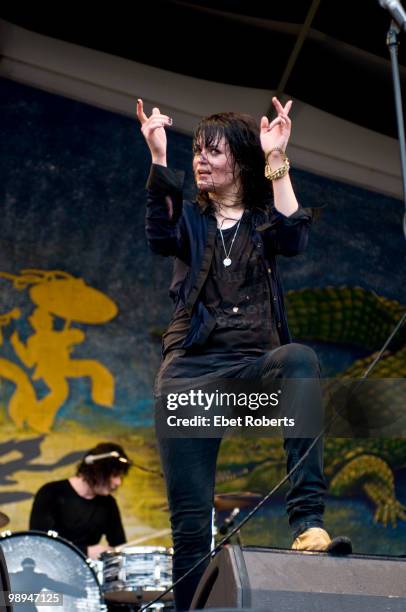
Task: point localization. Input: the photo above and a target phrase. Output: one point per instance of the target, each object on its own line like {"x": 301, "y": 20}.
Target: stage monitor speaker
{"x": 275, "y": 580}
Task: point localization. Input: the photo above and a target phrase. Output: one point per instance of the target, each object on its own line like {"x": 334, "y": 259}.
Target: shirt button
{"x": 279, "y": 324}
{"x": 247, "y": 297}
{"x": 269, "y": 270}
{"x": 235, "y": 308}
{"x": 275, "y": 298}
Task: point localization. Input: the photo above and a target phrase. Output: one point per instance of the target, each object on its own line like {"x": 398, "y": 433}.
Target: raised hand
{"x": 277, "y": 132}
{"x": 153, "y": 129}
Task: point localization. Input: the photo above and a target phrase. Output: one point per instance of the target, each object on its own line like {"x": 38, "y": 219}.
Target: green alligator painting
{"x": 343, "y": 316}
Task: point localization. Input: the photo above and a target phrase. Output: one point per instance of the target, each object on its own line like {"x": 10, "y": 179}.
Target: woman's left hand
{"x": 277, "y": 132}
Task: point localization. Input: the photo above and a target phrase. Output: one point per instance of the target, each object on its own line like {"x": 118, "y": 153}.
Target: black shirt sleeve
{"x": 287, "y": 235}
{"x": 164, "y": 181}
{"x": 42, "y": 515}
{"x": 115, "y": 534}
{"x": 164, "y": 223}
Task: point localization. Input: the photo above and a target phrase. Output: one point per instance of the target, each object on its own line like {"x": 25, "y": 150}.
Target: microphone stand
{"x": 229, "y": 524}
{"x": 392, "y": 43}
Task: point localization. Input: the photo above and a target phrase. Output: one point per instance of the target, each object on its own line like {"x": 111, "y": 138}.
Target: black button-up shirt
{"x": 183, "y": 230}
{"x": 237, "y": 296}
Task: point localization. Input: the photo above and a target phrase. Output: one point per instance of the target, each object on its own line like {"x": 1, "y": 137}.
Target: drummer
{"x": 81, "y": 509}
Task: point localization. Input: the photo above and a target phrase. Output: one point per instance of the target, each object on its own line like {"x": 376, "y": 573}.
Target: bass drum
{"x": 45, "y": 563}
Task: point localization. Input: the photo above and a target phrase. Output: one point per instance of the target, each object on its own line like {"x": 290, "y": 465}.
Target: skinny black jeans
{"x": 189, "y": 466}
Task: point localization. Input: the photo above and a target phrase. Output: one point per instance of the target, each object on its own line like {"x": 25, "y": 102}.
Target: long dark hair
{"x": 241, "y": 134}
{"x": 100, "y": 471}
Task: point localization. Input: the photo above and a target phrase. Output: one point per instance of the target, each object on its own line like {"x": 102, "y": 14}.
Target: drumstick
{"x": 144, "y": 538}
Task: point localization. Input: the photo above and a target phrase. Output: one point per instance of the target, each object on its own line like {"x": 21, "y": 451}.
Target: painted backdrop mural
{"x": 47, "y": 351}
{"x": 82, "y": 304}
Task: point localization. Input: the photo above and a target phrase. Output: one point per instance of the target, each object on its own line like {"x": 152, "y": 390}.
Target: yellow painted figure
{"x": 48, "y": 350}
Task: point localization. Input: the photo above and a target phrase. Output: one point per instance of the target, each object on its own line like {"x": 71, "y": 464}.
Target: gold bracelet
{"x": 281, "y": 151}
{"x": 273, "y": 175}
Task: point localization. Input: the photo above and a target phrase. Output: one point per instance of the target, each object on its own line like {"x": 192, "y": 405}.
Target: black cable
{"x": 241, "y": 524}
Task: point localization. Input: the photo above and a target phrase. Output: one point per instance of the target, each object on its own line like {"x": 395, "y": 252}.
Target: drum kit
{"x": 125, "y": 579}
{"x": 122, "y": 580}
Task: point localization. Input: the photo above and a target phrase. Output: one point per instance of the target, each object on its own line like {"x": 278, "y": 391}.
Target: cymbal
{"x": 4, "y": 520}
{"x": 229, "y": 501}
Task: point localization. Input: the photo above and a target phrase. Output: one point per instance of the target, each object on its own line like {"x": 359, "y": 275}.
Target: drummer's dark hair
{"x": 99, "y": 471}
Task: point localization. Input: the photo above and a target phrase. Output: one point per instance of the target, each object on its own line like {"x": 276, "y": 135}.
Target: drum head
{"x": 39, "y": 563}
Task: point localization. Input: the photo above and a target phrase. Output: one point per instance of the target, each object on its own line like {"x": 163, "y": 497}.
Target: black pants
{"x": 189, "y": 466}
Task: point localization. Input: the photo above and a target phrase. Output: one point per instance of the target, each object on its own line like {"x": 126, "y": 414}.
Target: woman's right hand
{"x": 153, "y": 129}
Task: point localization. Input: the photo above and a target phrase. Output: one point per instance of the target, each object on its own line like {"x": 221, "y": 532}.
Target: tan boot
{"x": 314, "y": 539}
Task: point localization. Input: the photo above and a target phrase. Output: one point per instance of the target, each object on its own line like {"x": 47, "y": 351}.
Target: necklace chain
{"x": 227, "y": 260}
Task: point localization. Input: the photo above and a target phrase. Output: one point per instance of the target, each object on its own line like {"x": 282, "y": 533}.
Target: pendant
{"x": 227, "y": 262}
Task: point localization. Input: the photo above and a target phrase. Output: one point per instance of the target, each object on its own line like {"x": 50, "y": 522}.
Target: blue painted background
{"x": 72, "y": 198}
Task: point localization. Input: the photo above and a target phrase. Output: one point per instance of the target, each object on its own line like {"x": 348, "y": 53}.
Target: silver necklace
{"x": 227, "y": 260}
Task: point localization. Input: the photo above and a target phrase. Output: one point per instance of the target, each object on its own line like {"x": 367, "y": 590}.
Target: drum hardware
{"x": 123, "y": 580}
{"x": 224, "y": 502}
{"x": 137, "y": 574}
{"x": 97, "y": 567}
{"x": 131, "y": 607}
{"x": 224, "y": 527}
{"x": 228, "y": 522}
{"x": 232, "y": 503}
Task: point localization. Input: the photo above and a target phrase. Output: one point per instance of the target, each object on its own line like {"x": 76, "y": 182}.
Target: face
{"x": 213, "y": 167}
{"x": 105, "y": 489}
